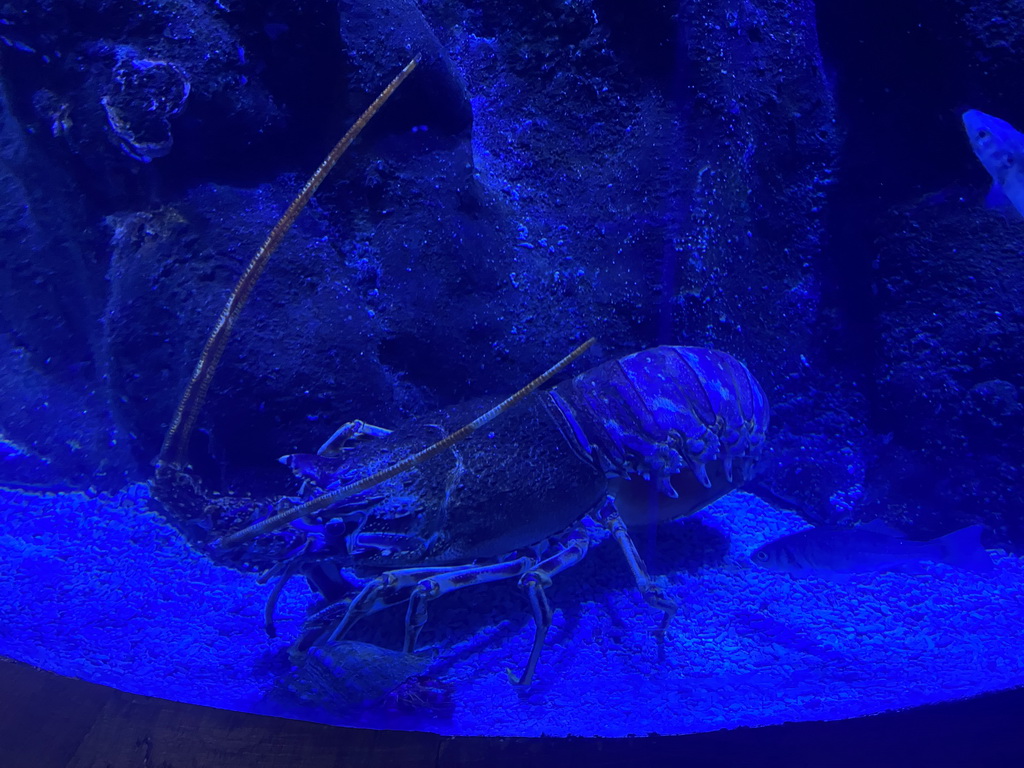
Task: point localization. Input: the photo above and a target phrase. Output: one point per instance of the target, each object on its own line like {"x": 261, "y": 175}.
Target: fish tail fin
{"x": 963, "y": 549}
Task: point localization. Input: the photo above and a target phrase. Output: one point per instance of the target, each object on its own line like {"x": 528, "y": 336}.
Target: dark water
{"x": 787, "y": 183}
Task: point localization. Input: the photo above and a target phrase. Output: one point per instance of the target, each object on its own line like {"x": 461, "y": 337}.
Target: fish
{"x": 1000, "y": 148}
{"x": 873, "y": 546}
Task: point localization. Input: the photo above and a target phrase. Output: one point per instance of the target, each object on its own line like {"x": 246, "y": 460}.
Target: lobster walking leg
{"x": 571, "y": 546}
{"x": 287, "y": 569}
{"x": 418, "y": 585}
{"x": 535, "y": 585}
{"x": 653, "y": 595}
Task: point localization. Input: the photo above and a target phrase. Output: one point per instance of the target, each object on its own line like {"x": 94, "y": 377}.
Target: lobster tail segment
{"x": 656, "y": 412}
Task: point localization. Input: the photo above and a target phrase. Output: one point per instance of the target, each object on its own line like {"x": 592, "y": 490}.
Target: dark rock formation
{"x": 950, "y": 280}
{"x": 923, "y": 278}
{"x": 56, "y": 419}
{"x": 553, "y": 171}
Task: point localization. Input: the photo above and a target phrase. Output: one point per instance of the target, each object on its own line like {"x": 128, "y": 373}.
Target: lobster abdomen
{"x": 657, "y": 412}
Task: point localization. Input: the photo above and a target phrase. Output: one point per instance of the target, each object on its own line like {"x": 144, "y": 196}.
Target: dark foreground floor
{"x": 47, "y": 720}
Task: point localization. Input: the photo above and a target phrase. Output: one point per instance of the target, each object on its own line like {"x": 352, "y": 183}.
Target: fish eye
{"x": 761, "y": 556}
{"x": 982, "y": 134}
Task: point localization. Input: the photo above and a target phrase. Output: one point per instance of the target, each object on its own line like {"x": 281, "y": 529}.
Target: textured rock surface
{"x": 951, "y": 295}
{"x": 552, "y": 171}
{"x": 925, "y": 279}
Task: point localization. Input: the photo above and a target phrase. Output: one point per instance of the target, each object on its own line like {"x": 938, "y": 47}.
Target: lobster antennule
{"x": 175, "y": 446}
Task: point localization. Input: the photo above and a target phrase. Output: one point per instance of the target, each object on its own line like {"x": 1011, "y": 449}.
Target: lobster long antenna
{"x": 283, "y": 518}
{"x": 175, "y": 447}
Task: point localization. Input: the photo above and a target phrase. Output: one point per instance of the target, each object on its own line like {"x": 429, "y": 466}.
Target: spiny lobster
{"x": 402, "y": 517}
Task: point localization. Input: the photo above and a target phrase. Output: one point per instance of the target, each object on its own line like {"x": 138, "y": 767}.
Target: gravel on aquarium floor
{"x": 100, "y": 588}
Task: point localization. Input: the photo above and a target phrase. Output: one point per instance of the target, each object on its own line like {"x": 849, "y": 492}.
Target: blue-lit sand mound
{"x": 99, "y": 588}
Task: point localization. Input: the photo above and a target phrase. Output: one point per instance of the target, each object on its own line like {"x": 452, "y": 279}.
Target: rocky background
{"x": 785, "y": 181}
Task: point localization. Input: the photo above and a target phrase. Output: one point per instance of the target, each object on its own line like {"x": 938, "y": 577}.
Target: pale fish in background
{"x": 871, "y": 547}
{"x": 1000, "y": 148}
